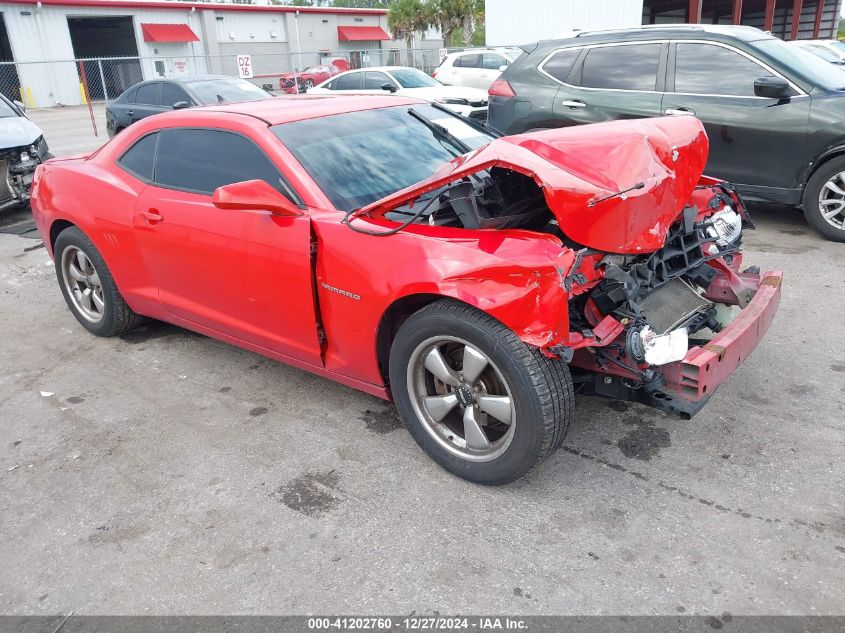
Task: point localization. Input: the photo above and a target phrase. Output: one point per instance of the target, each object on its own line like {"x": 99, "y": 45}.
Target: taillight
{"x": 434, "y": 73}
{"x": 501, "y": 88}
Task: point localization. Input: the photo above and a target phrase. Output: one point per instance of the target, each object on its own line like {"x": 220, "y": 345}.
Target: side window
{"x": 559, "y": 64}
{"x": 375, "y": 80}
{"x": 715, "y": 70}
{"x": 468, "y": 61}
{"x": 352, "y": 81}
{"x": 202, "y": 160}
{"x": 130, "y": 96}
{"x": 491, "y": 61}
{"x": 149, "y": 94}
{"x": 331, "y": 85}
{"x": 171, "y": 93}
{"x": 138, "y": 160}
{"x": 627, "y": 67}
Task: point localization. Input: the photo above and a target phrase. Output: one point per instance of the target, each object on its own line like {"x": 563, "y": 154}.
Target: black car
{"x": 160, "y": 95}
{"x": 774, "y": 113}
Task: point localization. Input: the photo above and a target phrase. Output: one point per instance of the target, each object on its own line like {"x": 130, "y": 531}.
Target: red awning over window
{"x": 168, "y": 33}
{"x": 361, "y": 33}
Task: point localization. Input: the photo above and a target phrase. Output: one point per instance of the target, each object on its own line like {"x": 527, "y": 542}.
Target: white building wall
{"x": 513, "y": 23}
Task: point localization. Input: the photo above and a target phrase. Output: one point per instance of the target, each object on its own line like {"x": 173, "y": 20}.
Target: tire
{"x": 537, "y": 389}
{"x": 102, "y": 311}
{"x": 833, "y": 228}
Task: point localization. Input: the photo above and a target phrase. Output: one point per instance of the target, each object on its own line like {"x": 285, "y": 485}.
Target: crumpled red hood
{"x": 577, "y": 165}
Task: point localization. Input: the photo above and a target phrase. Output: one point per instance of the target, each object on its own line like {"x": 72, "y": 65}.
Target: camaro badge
{"x": 338, "y": 291}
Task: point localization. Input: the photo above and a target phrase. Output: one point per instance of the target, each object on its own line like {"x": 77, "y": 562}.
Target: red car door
{"x": 244, "y": 274}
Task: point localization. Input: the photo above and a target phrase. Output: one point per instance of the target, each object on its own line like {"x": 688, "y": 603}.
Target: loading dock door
{"x": 111, "y": 40}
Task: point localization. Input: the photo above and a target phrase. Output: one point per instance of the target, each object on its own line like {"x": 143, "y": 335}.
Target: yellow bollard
{"x": 82, "y": 93}
{"x": 26, "y": 96}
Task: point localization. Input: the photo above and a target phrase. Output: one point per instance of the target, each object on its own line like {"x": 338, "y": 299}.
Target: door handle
{"x": 679, "y": 112}
{"x": 131, "y": 112}
{"x": 152, "y": 216}
{"x": 573, "y": 103}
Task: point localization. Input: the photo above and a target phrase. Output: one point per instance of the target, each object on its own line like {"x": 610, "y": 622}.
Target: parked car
{"x": 474, "y": 68}
{"x": 834, "y": 46}
{"x": 296, "y": 82}
{"x": 408, "y": 82}
{"x": 821, "y": 52}
{"x": 776, "y": 120}
{"x": 162, "y": 95}
{"x": 402, "y": 250}
{"x": 22, "y": 149}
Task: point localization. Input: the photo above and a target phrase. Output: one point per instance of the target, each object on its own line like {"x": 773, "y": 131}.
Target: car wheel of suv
{"x": 824, "y": 200}
{"x": 478, "y": 400}
{"x": 88, "y": 287}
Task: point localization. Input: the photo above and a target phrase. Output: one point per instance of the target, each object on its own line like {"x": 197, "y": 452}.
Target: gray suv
{"x": 774, "y": 113}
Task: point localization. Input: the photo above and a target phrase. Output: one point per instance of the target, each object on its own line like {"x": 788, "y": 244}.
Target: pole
{"x": 818, "y": 22}
{"x": 87, "y": 96}
{"x": 769, "y": 19}
{"x": 298, "y": 47}
{"x": 103, "y": 79}
{"x": 797, "y": 6}
{"x": 736, "y": 14}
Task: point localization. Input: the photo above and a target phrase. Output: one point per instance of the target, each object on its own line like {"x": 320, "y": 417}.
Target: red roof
{"x": 361, "y": 33}
{"x": 198, "y": 6}
{"x": 168, "y": 33}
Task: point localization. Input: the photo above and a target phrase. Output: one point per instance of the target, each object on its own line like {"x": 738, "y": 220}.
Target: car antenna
{"x": 639, "y": 185}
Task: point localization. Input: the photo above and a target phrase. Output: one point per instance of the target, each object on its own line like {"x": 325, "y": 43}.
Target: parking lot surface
{"x": 165, "y": 472}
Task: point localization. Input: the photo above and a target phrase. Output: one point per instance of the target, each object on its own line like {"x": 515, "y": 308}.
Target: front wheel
{"x": 824, "y": 200}
{"x": 480, "y": 402}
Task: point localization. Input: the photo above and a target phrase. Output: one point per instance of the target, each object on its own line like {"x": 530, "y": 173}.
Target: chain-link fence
{"x": 80, "y": 81}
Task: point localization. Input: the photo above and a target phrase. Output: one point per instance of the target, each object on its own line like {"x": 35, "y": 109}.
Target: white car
{"x": 822, "y": 52}
{"x": 407, "y": 82}
{"x": 476, "y": 68}
{"x": 834, "y": 46}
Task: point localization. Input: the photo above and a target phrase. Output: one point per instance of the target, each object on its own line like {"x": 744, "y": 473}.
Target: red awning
{"x": 361, "y": 34}
{"x": 168, "y": 33}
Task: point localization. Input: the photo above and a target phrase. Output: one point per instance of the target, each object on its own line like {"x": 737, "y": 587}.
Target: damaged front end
{"x": 667, "y": 328}
{"x": 17, "y": 167}
{"x": 651, "y": 302}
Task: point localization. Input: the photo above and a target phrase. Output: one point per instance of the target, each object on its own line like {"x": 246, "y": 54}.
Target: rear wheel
{"x": 88, "y": 287}
{"x": 480, "y": 402}
{"x": 824, "y": 200}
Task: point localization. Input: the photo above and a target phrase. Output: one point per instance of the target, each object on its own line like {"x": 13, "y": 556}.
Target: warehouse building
{"x": 509, "y": 22}
{"x": 120, "y": 42}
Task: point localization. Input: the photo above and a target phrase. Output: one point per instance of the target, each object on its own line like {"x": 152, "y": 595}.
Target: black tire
{"x": 117, "y": 316}
{"x": 541, "y": 390}
{"x": 812, "y": 211}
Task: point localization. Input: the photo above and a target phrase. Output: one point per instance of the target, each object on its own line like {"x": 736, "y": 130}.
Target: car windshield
{"x": 359, "y": 157}
{"x": 840, "y": 46}
{"x": 228, "y": 90}
{"x": 6, "y": 109}
{"x": 413, "y": 78}
{"x": 816, "y": 70}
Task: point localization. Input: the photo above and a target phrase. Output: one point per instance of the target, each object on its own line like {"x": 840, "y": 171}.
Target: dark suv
{"x": 775, "y": 114}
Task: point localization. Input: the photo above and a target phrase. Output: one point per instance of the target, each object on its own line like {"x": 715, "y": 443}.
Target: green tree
{"x": 447, "y": 15}
{"x": 472, "y": 18}
{"x": 405, "y": 18}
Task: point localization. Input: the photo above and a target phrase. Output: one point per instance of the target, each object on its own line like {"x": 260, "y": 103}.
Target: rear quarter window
{"x": 139, "y": 159}
{"x": 560, "y": 64}
{"x": 626, "y": 67}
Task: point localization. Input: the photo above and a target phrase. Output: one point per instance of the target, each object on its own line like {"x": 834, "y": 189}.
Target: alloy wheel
{"x": 82, "y": 282}
{"x": 832, "y": 201}
{"x": 461, "y": 398}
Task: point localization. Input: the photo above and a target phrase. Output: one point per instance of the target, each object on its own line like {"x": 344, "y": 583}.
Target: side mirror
{"x": 179, "y": 105}
{"x": 389, "y": 87}
{"x": 503, "y": 67}
{"x": 21, "y": 105}
{"x": 772, "y": 88}
{"x": 253, "y": 195}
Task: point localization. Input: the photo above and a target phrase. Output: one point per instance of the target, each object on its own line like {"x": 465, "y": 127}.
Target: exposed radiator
{"x": 671, "y": 305}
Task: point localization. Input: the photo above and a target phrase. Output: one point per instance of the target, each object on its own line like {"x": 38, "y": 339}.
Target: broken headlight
{"x": 724, "y": 227}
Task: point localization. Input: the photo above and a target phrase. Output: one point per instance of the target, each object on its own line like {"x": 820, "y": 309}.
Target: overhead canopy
{"x": 168, "y": 33}
{"x": 361, "y": 34}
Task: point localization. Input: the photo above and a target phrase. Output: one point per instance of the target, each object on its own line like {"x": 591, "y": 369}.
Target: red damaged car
{"x": 478, "y": 282}
{"x": 294, "y": 83}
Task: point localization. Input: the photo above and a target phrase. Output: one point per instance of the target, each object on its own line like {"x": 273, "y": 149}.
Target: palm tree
{"x": 448, "y": 16}
{"x": 405, "y": 18}
{"x": 472, "y": 14}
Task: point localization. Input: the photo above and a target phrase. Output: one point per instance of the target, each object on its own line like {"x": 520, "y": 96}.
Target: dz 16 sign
{"x": 244, "y": 66}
